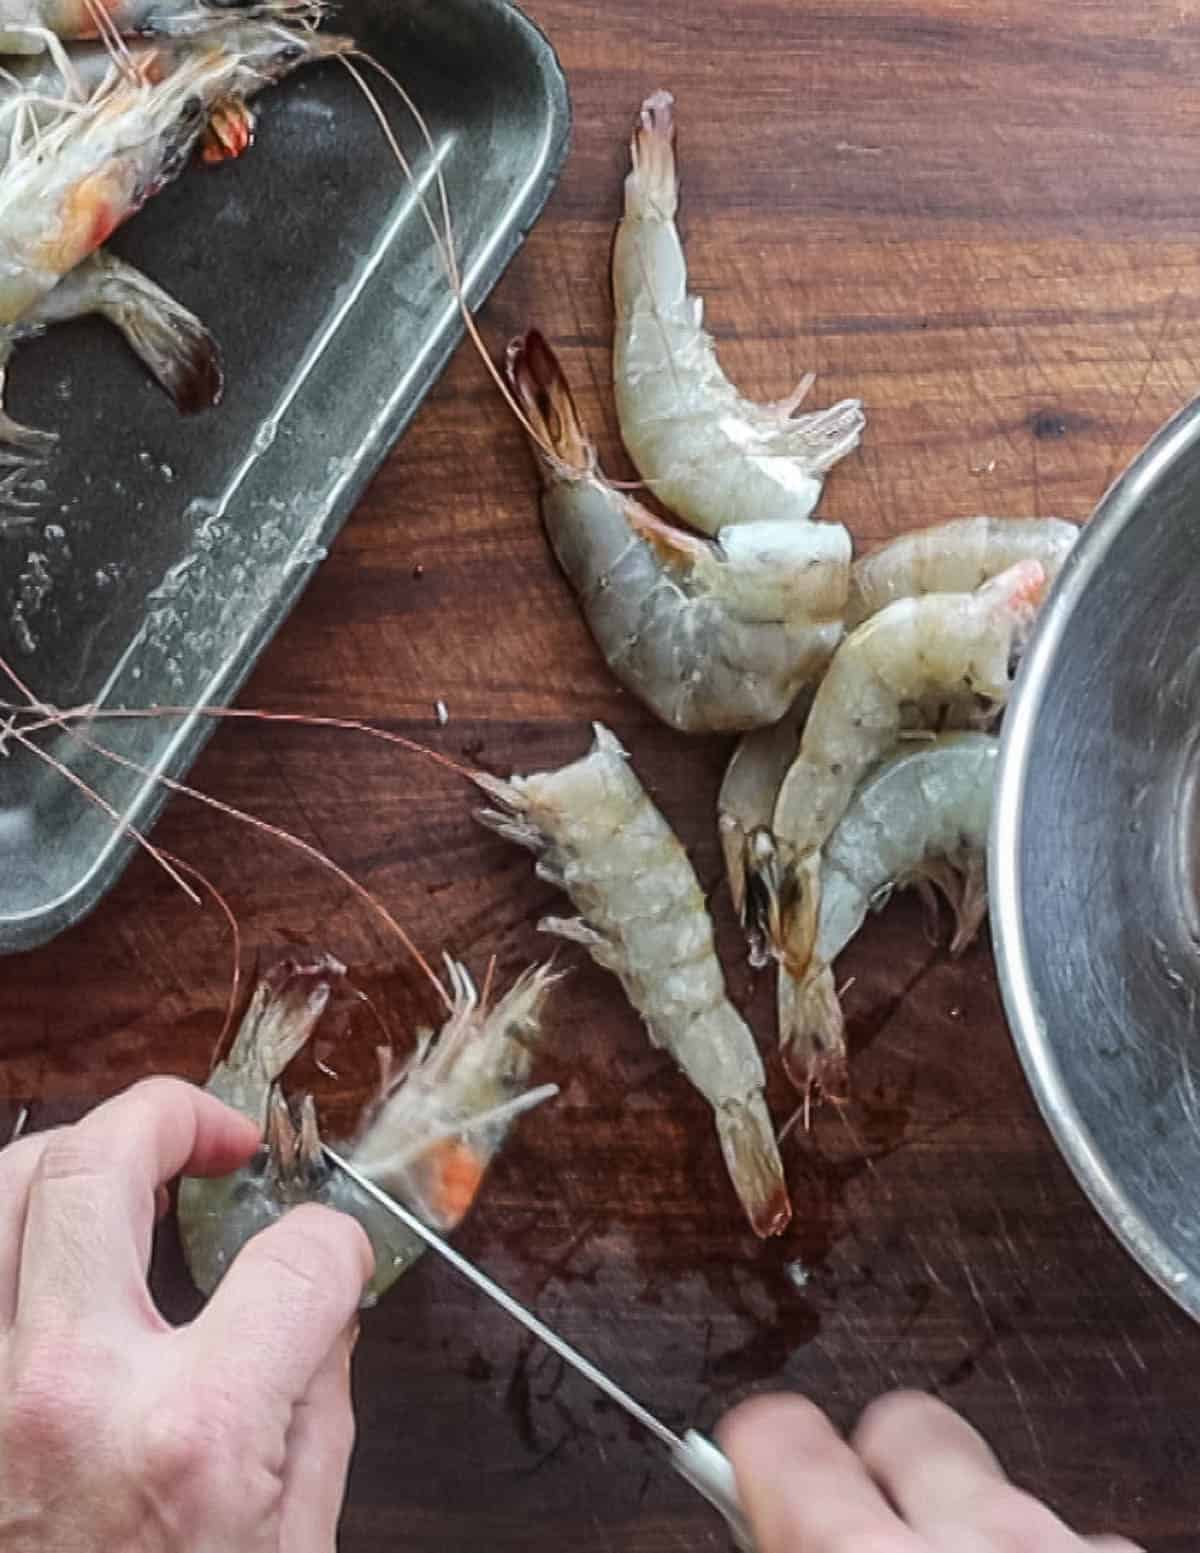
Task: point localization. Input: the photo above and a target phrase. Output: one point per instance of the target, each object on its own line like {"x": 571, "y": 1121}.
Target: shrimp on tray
{"x": 599, "y": 838}
{"x": 76, "y": 180}
{"x": 35, "y": 26}
{"x": 920, "y": 819}
{"x": 428, "y": 1139}
{"x": 709, "y": 454}
{"x": 710, "y": 636}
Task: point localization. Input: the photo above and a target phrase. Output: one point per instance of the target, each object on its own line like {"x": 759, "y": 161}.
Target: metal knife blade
{"x": 693, "y": 1456}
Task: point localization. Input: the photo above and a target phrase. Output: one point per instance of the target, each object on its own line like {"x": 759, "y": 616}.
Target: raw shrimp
{"x": 428, "y": 1139}
{"x": 712, "y": 456}
{"x": 955, "y": 557}
{"x": 32, "y": 26}
{"x": 599, "y": 838}
{"x": 80, "y": 178}
{"x": 746, "y": 805}
{"x": 910, "y": 650}
{"x": 711, "y": 637}
{"x": 36, "y": 91}
{"x": 920, "y": 818}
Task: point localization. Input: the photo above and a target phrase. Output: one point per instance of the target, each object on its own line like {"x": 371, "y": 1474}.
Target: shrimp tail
{"x": 762, "y": 892}
{"x": 963, "y": 883}
{"x": 812, "y": 1032}
{"x": 751, "y": 1156}
{"x": 652, "y": 187}
{"x": 172, "y": 343}
{"x": 287, "y": 1003}
{"x": 540, "y": 385}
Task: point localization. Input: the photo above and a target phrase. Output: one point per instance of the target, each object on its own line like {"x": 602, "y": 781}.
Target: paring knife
{"x": 694, "y": 1457}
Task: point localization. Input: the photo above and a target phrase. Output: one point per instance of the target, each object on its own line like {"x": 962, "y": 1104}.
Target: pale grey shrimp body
{"x": 954, "y": 557}
{"x": 643, "y": 917}
{"x": 914, "y": 648}
{"x": 427, "y": 1139}
{"x": 712, "y": 637}
{"x": 712, "y": 456}
{"x": 920, "y": 818}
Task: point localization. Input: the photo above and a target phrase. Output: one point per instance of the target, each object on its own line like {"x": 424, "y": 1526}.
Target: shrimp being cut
{"x": 921, "y": 818}
{"x": 428, "y": 1138}
{"x": 911, "y": 650}
{"x": 955, "y": 557}
{"x": 80, "y": 178}
{"x": 711, "y": 637}
{"x": 34, "y": 26}
{"x": 712, "y": 456}
{"x": 642, "y": 916}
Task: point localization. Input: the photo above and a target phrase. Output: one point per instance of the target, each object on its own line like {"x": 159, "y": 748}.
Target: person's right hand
{"x": 117, "y": 1431}
{"x": 914, "y": 1478}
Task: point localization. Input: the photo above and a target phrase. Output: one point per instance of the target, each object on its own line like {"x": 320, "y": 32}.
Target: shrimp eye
{"x": 291, "y": 55}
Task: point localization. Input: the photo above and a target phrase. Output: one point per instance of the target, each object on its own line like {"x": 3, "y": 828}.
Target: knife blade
{"x": 694, "y": 1457}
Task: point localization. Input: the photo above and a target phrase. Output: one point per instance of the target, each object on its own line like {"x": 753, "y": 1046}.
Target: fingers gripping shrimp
{"x": 955, "y": 557}
{"x": 711, "y": 637}
{"x": 642, "y": 916}
{"x": 428, "y": 1138}
{"x": 709, "y": 454}
{"x": 912, "y": 649}
{"x": 920, "y": 818}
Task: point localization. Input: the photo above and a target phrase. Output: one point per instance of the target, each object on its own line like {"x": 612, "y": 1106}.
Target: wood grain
{"x": 982, "y": 218}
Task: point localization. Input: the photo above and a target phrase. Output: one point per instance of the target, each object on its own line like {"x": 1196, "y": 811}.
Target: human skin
{"x": 231, "y": 1434}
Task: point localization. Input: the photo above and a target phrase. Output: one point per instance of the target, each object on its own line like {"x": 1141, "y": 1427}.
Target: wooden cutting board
{"x": 984, "y": 219}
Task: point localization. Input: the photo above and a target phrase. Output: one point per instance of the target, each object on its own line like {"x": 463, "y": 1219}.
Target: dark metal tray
{"x": 168, "y": 550}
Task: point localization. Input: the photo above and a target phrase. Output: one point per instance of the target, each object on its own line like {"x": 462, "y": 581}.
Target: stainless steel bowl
{"x": 1095, "y": 860}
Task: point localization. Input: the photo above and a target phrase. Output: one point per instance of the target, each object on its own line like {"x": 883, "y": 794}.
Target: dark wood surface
{"x": 983, "y": 218}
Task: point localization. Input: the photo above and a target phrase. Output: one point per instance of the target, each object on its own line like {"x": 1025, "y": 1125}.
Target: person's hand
{"x": 914, "y": 1478}
{"x": 230, "y": 1435}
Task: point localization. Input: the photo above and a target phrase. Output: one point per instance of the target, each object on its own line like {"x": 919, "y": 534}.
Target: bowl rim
{"x": 1119, "y": 505}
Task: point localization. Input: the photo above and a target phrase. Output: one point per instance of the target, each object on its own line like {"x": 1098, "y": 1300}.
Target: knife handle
{"x": 710, "y": 1473}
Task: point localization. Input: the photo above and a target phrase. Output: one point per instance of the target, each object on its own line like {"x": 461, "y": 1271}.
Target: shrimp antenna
{"x": 58, "y": 720}
{"x": 443, "y": 240}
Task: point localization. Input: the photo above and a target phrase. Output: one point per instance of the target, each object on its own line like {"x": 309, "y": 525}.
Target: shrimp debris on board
{"x": 712, "y": 637}
{"x": 600, "y": 839}
{"x": 921, "y": 818}
{"x": 712, "y": 456}
{"x": 917, "y": 647}
{"x": 427, "y": 1139}
{"x": 69, "y": 183}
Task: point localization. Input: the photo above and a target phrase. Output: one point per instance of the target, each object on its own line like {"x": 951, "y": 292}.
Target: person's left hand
{"x": 118, "y": 1431}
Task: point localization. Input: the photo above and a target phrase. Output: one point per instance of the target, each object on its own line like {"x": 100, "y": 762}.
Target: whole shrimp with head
{"x": 428, "y": 1138}
{"x": 599, "y": 838}
{"x": 709, "y": 454}
{"x": 71, "y": 183}
{"x": 914, "y": 649}
{"x": 711, "y": 637}
{"x": 921, "y": 819}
